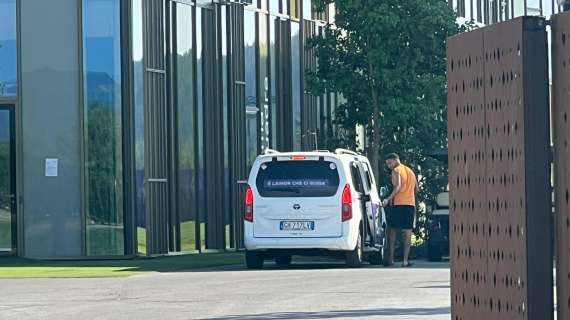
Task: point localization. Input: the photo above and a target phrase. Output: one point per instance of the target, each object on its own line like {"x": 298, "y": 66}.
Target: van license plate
{"x": 297, "y": 225}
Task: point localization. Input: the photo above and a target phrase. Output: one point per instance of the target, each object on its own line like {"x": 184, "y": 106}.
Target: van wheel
{"x": 253, "y": 260}
{"x": 354, "y": 257}
{"x": 376, "y": 258}
{"x": 283, "y": 260}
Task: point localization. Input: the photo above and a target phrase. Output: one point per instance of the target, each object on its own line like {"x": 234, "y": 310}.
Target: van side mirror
{"x": 383, "y": 192}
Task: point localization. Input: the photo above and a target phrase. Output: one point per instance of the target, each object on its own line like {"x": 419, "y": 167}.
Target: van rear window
{"x": 277, "y": 179}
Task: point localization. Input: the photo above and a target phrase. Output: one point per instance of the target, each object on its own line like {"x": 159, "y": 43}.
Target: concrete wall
{"x": 51, "y": 127}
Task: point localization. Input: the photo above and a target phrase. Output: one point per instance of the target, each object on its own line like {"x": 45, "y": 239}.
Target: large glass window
{"x": 278, "y": 179}
{"x": 285, "y": 6}
{"x": 6, "y": 181}
{"x": 263, "y": 4}
{"x": 138, "y": 86}
{"x": 184, "y": 101}
{"x": 475, "y": 10}
{"x": 103, "y": 129}
{"x": 307, "y": 9}
{"x": 333, "y": 106}
{"x": 274, "y": 6}
{"x": 294, "y": 8}
{"x": 250, "y": 86}
{"x": 8, "y": 45}
{"x": 534, "y": 7}
{"x": 519, "y": 8}
{"x": 296, "y": 85}
{"x": 263, "y": 82}
{"x": 548, "y": 8}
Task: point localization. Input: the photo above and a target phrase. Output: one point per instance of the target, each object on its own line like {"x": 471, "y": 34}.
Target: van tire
{"x": 283, "y": 260}
{"x": 253, "y": 260}
{"x": 376, "y": 258}
{"x": 354, "y": 257}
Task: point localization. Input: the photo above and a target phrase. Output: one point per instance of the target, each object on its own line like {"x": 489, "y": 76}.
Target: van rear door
{"x": 298, "y": 198}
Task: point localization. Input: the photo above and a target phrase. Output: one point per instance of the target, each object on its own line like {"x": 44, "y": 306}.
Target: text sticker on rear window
{"x": 306, "y": 183}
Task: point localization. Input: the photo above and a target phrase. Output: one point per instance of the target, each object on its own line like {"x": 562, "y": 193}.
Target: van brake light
{"x": 346, "y": 203}
{"x": 248, "y": 205}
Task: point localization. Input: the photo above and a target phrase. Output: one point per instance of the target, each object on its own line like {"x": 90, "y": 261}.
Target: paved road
{"x": 306, "y": 291}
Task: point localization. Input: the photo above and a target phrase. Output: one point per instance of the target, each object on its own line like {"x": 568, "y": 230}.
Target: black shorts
{"x": 400, "y": 217}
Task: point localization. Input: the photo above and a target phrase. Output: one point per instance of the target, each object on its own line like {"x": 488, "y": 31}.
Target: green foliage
{"x": 387, "y": 58}
{"x": 185, "y": 101}
{"x": 4, "y": 175}
{"x": 104, "y": 165}
{"x": 5, "y": 200}
{"x": 17, "y": 268}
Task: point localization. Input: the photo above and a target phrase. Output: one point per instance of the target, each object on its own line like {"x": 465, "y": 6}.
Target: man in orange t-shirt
{"x": 403, "y": 211}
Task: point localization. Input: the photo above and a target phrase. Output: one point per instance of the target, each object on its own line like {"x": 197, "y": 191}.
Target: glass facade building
{"x": 127, "y": 127}
{"x": 493, "y": 11}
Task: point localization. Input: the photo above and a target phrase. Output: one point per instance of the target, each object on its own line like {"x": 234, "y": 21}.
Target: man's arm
{"x": 416, "y": 187}
{"x": 396, "y": 182}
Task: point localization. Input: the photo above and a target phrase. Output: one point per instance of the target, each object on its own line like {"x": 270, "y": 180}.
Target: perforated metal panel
{"x": 466, "y": 119}
{"x": 561, "y": 111}
{"x": 499, "y": 172}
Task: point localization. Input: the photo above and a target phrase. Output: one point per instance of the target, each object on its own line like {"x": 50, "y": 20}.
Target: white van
{"x": 313, "y": 203}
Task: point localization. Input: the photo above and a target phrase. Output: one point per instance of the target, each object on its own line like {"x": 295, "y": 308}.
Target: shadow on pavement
{"x": 341, "y": 314}
{"x": 201, "y": 263}
{"x": 316, "y": 263}
{"x": 432, "y": 285}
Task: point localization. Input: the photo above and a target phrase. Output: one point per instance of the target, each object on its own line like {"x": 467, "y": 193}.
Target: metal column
{"x": 561, "y": 112}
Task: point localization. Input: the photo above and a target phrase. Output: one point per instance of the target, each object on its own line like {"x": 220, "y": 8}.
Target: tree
{"x": 387, "y": 58}
{"x": 103, "y": 165}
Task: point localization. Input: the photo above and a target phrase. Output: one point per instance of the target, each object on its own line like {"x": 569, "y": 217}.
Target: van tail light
{"x": 248, "y": 205}
{"x": 346, "y": 203}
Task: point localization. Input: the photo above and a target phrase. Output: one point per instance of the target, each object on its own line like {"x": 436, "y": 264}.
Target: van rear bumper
{"x": 265, "y": 244}
{"x": 346, "y": 242}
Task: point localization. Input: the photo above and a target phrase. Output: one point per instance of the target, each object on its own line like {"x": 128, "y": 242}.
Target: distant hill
{"x": 101, "y": 88}
{"x": 101, "y": 67}
{"x": 8, "y": 67}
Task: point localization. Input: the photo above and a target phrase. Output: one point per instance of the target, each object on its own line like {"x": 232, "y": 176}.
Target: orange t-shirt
{"x": 407, "y": 194}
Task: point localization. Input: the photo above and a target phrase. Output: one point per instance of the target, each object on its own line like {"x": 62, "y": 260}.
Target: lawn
{"x": 11, "y": 267}
{"x": 187, "y": 233}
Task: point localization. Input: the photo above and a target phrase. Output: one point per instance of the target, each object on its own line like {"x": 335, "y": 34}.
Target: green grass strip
{"x": 11, "y": 267}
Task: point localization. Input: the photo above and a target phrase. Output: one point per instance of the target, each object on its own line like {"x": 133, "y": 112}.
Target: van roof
{"x": 317, "y": 153}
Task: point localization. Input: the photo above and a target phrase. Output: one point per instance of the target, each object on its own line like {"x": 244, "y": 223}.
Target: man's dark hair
{"x": 392, "y": 156}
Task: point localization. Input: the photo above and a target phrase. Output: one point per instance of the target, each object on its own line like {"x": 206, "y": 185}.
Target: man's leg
{"x": 407, "y": 234}
{"x": 392, "y": 240}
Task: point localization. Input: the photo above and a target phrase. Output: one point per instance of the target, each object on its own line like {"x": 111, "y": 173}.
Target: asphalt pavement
{"x": 307, "y": 290}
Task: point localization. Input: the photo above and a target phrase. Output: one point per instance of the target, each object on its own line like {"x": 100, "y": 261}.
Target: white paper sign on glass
{"x": 51, "y": 167}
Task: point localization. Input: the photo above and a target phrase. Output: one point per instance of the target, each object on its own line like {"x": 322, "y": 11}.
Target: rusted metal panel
{"x": 466, "y": 120}
{"x": 561, "y": 112}
{"x": 499, "y": 171}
